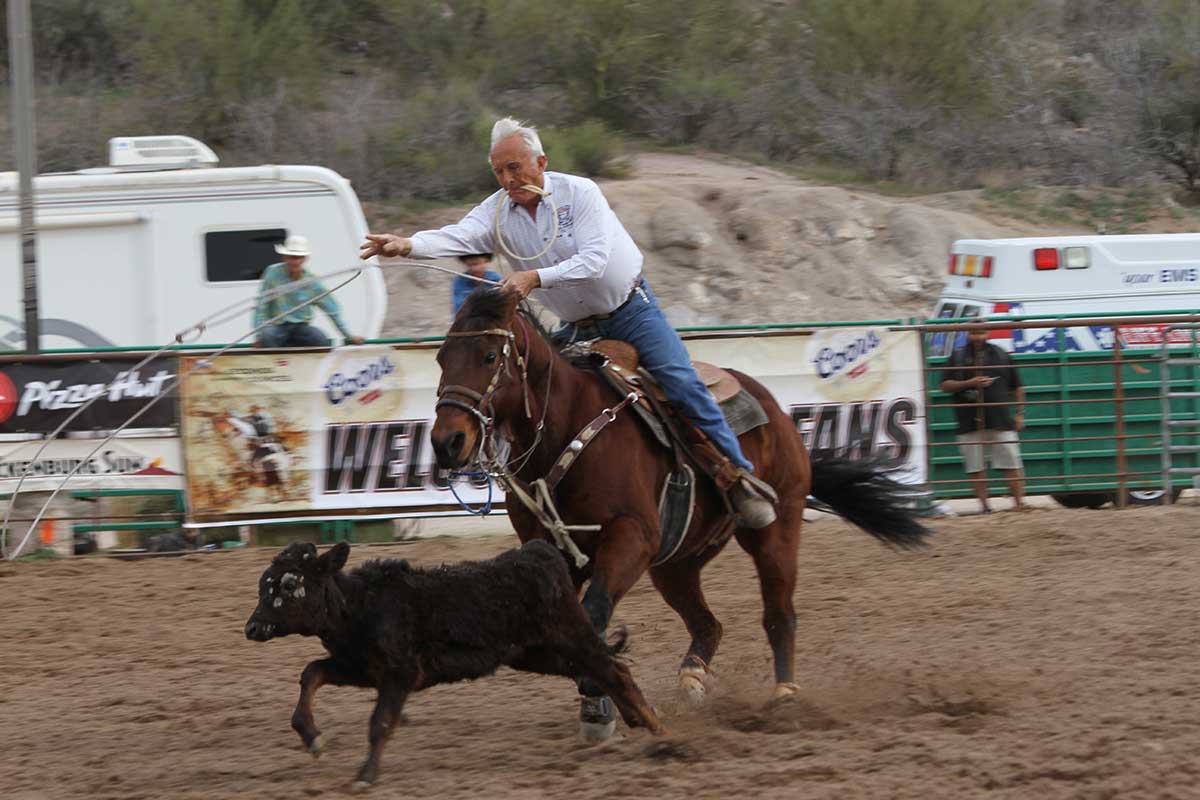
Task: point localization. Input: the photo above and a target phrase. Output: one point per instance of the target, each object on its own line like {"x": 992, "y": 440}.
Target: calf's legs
{"x": 383, "y": 721}
{"x": 315, "y": 675}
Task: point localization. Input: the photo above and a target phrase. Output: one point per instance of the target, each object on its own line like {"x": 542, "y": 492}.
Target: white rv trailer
{"x": 1099, "y": 275}
{"x": 132, "y": 253}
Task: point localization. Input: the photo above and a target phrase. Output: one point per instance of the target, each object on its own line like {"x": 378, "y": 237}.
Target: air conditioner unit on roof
{"x": 159, "y": 152}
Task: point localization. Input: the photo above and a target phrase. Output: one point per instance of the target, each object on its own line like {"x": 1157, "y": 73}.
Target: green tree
{"x": 198, "y": 63}
{"x": 931, "y": 51}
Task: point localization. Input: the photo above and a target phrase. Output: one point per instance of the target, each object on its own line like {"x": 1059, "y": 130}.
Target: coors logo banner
{"x": 36, "y": 398}
{"x": 349, "y": 429}
{"x": 855, "y": 392}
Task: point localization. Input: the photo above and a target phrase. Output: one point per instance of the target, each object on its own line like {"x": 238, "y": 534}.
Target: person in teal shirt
{"x": 294, "y": 329}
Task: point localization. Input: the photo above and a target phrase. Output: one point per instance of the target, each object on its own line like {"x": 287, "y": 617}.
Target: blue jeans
{"x": 293, "y": 334}
{"x": 642, "y": 324}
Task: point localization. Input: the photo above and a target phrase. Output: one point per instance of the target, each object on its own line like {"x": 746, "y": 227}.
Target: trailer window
{"x": 240, "y": 255}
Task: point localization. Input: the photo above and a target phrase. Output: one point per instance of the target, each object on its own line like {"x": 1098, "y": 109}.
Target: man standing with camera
{"x": 985, "y": 385}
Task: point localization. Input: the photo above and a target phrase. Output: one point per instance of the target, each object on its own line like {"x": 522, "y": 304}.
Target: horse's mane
{"x": 487, "y": 304}
{"x": 490, "y": 306}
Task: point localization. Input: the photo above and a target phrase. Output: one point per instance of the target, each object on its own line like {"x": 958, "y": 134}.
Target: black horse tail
{"x": 862, "y": 493}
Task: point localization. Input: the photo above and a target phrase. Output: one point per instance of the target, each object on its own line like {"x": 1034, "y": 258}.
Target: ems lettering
{"x": 1184, "y": 275}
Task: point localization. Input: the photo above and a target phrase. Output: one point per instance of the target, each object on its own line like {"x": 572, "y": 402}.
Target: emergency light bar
{"x": 1047, "y": 258}
{"x": 975, "y": 266}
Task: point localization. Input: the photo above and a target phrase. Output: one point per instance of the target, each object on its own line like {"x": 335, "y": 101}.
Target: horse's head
{"x": 483, "y": 375}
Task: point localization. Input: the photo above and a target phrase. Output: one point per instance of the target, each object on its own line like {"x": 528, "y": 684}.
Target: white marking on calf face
{"x": 291, "y": 585}
{"x": 278, "y": 602}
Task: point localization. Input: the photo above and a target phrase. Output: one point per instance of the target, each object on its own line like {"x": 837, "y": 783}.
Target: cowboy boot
{"x": 754, "y": 501}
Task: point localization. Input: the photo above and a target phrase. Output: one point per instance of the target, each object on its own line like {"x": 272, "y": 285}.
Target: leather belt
{"x": 640, "y": 285}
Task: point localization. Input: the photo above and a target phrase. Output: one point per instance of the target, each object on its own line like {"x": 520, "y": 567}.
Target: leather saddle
{"x": 619, "y": 363}
{"x": 623, "y": 358}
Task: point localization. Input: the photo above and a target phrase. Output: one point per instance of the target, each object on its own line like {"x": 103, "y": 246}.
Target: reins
{"x": 538, "y": 495}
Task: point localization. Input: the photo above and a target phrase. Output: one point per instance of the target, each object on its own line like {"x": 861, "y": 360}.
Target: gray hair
{"x": 508, "y": 126}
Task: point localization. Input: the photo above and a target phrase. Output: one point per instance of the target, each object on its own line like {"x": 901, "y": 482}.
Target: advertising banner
{"x": 348, "y": 430}
{"x": 855, "y": 392}
{"x": 313, "y": 432}
{"x": 36, "y": 398}
{"x": 123, "y": 463}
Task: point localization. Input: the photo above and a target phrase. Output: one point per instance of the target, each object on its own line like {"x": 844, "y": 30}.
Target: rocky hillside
{"x": 728, "y": 242}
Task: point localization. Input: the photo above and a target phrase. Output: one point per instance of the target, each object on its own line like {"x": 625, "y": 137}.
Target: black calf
{"x": 400, "y": 629}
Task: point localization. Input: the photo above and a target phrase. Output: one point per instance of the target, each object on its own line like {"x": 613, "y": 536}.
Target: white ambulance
{"x": 131, "y": 253}
{"x": 1101, "y": 275}
{"x": 1079, "y": 275}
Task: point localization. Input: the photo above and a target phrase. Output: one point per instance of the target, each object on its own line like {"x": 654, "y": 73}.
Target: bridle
{"x": 538, "y": 495}
{"x": 480, "y": 405}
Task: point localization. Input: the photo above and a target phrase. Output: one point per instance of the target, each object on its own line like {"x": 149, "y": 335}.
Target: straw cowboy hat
{"x": 295, "y": 245}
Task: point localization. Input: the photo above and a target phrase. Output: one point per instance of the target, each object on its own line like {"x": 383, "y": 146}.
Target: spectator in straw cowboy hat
{"x": 476, "y": 267}
{"x": 295, "y": 328}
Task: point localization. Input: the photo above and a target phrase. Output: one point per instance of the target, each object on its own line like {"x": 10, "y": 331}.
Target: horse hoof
{"x": 358, "y": 787}
{"x": 593, "y": 732}
{"x": 785, "y": 692}
{"x": 317, "y": 745}
{"x": 691, "y": 683}
{"x": 597, "y": 719}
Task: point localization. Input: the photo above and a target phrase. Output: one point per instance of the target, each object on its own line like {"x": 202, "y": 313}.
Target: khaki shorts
{"x": 1005, "y": 454}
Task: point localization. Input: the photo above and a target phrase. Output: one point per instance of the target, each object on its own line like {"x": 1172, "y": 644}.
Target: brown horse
{"x": 501, "y": 376}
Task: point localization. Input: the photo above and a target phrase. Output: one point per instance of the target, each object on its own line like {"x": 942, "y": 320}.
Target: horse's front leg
{"x": 624, "y": 553}
{"x": 679, "y": 584}
{"x": 315, "y": 675}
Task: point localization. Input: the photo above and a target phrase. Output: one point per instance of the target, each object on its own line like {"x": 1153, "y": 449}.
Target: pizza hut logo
{"x": 8, "y": 397}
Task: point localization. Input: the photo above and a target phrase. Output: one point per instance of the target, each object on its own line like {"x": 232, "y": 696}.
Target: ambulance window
{"x": 960, "y": 337}
{"x": 941, "y": 343}
{"x": 240, "y": 255}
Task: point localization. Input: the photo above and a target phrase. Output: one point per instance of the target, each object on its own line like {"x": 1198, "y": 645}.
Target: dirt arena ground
{"x": 1052, "y": 654}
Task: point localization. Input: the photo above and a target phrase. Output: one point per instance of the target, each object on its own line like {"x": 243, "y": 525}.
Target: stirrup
{"x": 762, "y": 487}
{"x": 755, "y": 507}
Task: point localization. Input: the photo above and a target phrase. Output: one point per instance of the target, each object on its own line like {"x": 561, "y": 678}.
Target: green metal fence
{"x": 1093, "y": 419}
{"x": 1093, "y": 423}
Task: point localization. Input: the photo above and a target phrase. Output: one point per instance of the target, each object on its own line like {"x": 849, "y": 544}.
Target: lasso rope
{"x": 222, "y": 315}
{"x": 504, "y": 248}
{"x": 196, "y": 330}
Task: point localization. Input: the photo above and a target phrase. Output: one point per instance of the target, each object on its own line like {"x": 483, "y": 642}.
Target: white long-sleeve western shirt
{"x": 592, "y": 265}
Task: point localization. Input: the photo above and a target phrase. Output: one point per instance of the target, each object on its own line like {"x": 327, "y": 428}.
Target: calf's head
{"x": 293, "y": 593}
